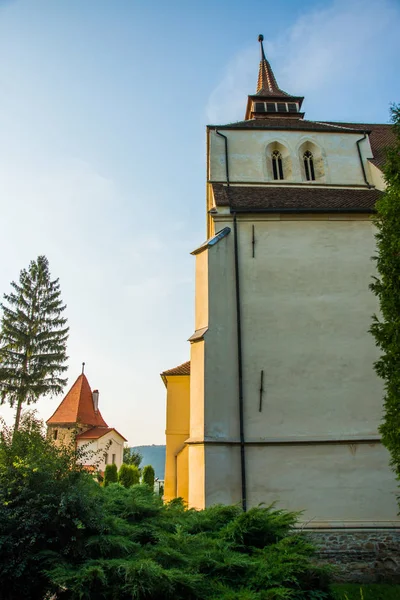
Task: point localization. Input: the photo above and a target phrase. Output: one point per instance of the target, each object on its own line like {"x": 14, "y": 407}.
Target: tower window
{"x": 271, "y": 107}
{"x": 277, "y": 167}
{"x": 106, "y": 458}
{"x": 113, "y": 459}
{"x": 282, "y": 107}
{"x": 55, "y": 434}
{"x": 309, "y": 165}
{"x": 259, "y": 107}
{"x": 292, "y": 107}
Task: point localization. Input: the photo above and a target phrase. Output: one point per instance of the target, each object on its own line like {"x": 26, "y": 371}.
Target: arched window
{"x": 309, "y": 165}
{"x": 277, "y": 168}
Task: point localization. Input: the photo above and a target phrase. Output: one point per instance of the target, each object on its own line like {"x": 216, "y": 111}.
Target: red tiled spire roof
{"x": 266, "y": 84}
{"x": 78, "y": 407}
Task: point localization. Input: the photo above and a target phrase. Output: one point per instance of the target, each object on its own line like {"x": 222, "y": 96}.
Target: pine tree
{"x": 33, "y": 338}
{"x": 386, "y": 287}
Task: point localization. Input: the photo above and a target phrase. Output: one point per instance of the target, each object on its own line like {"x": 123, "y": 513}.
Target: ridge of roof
{"x": 77, "y": 406}
{"x": 280, "y": 123}
{"x": 96, "y": 433}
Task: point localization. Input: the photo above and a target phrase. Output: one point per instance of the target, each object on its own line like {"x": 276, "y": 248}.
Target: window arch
{"x": 278, "y": 162}
{"x": 309, "y": 165}
{"x": 312, "y": 163}
{"x": 277, "y": 165}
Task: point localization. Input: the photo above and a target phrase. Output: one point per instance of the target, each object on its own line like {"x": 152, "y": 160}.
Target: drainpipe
{"x": 361, "y": 160}
{"x": 226, "y": 154}
{"x": 239, "y": 340}
{"x": 240, "y": 367}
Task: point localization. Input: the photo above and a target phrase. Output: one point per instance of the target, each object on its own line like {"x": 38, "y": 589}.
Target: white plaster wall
{"x": 248, "y": 155}
{"x": 333, "y": 484}
{"x": 99, "y": 447}
{"x": 306, "y": 310}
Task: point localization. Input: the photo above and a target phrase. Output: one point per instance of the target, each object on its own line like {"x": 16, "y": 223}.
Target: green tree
{"x": 110, "y": 474}
{"x": 148, "y": 476}
{"x": 48, "y": 505}
{"x": 132, "y": 457}
{"x": 33, "y": 338}
{"x": 128, "y": 475}
{"x": 386, "y": 328}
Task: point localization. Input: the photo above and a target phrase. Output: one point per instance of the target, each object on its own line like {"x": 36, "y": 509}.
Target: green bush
{"x": 148, "y": 476}
{"x": 128, "y": 475}
{"x": 110, "y": 475}
{"x": 365, "y": 592}
{"x": 64, "y": 536}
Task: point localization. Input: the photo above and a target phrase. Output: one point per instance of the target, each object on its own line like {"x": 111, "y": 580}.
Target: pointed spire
{"x": 266, "y": 83}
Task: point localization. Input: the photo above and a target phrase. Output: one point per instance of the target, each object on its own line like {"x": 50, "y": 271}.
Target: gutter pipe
{"x": 226, "y": 155}
{"x": 240, "y": 367}
{"x": 360, "y": 157}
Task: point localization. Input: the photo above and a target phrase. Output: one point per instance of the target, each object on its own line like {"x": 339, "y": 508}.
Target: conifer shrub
{"x": 148, "y": 476}
{"x": 63, "y": 536}
{"x": 128, "y": 475}
{"x": 110, "y": 475}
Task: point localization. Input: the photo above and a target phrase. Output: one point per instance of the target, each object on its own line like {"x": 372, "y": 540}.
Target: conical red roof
{"x": 78, "y": 407}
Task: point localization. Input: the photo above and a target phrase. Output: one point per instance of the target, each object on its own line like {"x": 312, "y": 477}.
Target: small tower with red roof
{"x": 78, "y": 420}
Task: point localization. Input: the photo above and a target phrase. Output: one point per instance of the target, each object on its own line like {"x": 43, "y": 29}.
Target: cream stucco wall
{"x": 248, "y": 150}
{"x": 306, "y": 310}
{"x": 177, "y": 431}
{"x": 110, "y": 443}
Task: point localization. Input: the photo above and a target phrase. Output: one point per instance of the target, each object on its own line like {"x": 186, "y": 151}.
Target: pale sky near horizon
{"x": 103, "y": 107}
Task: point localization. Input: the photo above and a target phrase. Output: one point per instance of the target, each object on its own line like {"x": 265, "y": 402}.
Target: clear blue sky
{"x": 103, "y": 107}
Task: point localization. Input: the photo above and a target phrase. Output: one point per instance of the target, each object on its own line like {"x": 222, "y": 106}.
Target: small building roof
{"x": 78, "y": 407}
{"x": 96, "y": 433}
{"x": 183, "y": 369}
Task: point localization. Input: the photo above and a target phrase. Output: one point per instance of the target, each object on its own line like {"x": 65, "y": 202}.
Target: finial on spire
{"x": 261, "y": 39}
{"x": 83, "y": 368}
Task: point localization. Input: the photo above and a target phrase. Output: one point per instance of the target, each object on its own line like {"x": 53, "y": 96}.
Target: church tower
{"x": 283, "y": 403}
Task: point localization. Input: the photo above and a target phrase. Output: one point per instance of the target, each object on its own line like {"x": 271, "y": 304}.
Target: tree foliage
{"x": 386, "y": 327}
{"x": 128, "y": 475}
{"x": 132, "y": 457}
{"x": 110, "y": 474}
{"x": 63, "y": 536}
{"x": 33, "y": 338}
{"x": 148, "y": 476}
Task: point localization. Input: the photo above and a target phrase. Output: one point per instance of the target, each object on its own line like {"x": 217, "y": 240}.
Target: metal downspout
{"x": 361, "y": 160}
{"x": 240, "y": 367}
{"x": 239, "y": 340}
{"x": 226, "y": 155}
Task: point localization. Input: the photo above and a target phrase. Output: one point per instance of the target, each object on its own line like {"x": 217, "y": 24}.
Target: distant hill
{"x": 154, "y": 456}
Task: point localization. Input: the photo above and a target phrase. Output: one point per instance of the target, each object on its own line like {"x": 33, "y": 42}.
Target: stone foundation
{"x": 368, "y": 556}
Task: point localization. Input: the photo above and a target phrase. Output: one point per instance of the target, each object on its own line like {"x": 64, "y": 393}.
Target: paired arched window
{"x": 277, "y": 165}
{"x": 309, "y": 165}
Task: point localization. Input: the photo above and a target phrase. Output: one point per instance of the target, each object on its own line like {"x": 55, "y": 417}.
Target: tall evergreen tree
{"x": 386, "y": 328}
{"x": 33, "y": 338}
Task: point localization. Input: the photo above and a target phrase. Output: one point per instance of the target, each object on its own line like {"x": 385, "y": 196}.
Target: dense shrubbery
{"x": 365, "y": 592}
{"x": 110, "y": 475}
{"x": 63, "y": 534}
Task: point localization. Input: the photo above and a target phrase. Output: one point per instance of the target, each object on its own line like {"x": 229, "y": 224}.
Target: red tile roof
{"x": 295, "y": 199}
{"x": 77, "y": 406}
{"x": 97, "y": 432}
{"x": 183, "y": 369}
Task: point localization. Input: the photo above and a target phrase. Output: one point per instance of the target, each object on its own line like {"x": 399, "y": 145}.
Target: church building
{"x": 280, "y": 401}
{"x": 78, "y": 420}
